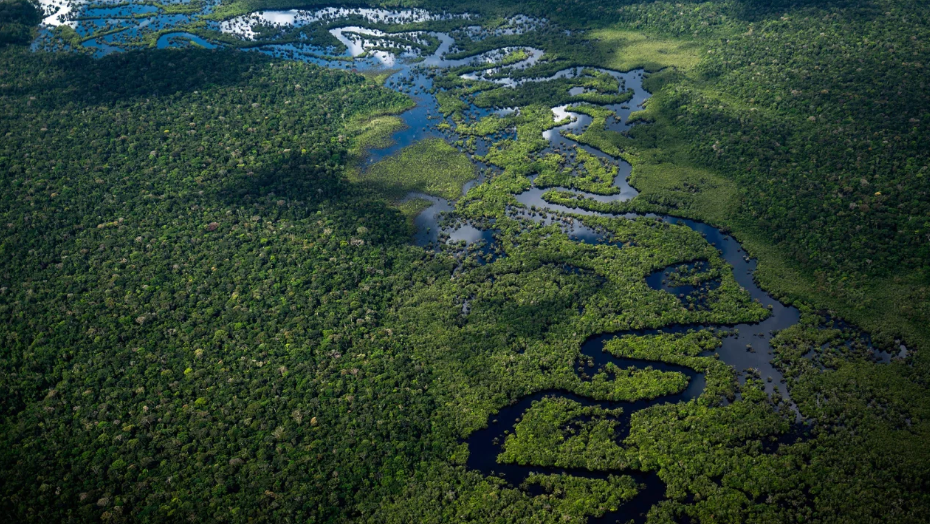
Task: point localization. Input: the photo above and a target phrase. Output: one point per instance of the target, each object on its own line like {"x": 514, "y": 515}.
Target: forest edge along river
{"x": 744, "y": 346}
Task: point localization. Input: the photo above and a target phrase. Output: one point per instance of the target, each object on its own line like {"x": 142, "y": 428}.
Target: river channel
{"x": 747, "y": 347}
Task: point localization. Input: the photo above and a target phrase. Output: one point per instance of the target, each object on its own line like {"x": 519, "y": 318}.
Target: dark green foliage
{"x": 18, "y": 19}
{"x": 551, "y": 94}
{"x": 581, "y": 497}
{"x": 593, "y": 174}
{"x": 206, "y": 316}
{"x": 835, "y": 142}
{"x": 184, "y": 270}
{"x": 547, "y": 436}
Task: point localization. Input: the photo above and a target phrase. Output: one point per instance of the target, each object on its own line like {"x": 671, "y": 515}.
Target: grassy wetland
{"x": 270, "y": 260}
{"x": 431, "y": 166}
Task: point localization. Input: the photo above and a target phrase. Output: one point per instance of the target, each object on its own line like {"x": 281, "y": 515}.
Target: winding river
{"x": 413, "y": 76}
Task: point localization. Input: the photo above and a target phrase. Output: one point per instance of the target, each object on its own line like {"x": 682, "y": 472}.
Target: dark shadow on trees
{"x": 309, "y": 187}
{"x": 135, "y": 75}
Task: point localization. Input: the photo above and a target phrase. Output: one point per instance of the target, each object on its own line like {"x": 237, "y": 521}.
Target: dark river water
{"x": 748, "y": 347}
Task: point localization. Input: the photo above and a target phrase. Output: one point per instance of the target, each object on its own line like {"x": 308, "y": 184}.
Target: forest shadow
{"x": 133, "y": 75}
{"x": 310, "y": 188}
{"x": 533, "y": 320}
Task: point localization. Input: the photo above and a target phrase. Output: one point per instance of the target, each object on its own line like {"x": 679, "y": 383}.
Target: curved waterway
{"x": 746, "y": 347}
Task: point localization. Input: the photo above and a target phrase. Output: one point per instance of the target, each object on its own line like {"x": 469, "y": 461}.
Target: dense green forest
{"x": 17, "y": 22}
{"x": 212, "y": 311}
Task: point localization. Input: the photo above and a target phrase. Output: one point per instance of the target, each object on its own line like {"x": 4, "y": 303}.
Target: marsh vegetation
{"x": 213, "y": 307}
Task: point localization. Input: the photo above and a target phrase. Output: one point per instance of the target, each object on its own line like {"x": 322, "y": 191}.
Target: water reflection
{"x": 414, "y": 57}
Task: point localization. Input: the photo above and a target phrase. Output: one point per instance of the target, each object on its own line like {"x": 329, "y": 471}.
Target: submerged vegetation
{"x": 212, "y": 309}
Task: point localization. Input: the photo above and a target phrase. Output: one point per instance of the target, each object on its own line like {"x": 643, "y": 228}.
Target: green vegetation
{"x": 756, "y": 86}
{"x": 553, "y": 93}
{"x": 513, "y": 57}
{"x": 684, "y": 351}
{"x": 575, "y": 498}
{"x": 18, "y": 20}
{"x": 450, "y": 103}
{"x": 624, "y": 50}
{"x": 182, "y": 306}
{"x": 589, "y": 174}
{"x": 538, "y": 438}
{"x": 211, "y": 309}
{"x": 412, "y": 207}
{"x": 431, "y": 166}
{"x": 372, "y": 131}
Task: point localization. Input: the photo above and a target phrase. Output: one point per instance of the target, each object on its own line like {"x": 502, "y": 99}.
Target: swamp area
{"x": 447, "y": 262}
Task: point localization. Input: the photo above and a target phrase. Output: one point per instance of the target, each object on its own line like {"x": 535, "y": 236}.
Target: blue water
{"x": 747, "y": 348}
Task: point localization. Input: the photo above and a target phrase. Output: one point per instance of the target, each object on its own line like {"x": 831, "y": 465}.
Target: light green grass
{"x": 698, "y": 193}
{"x": 372, "y": 133}
{"x": 626, "y": 50}
{"x": 431, "y": 166}
{"x": 378, "y": 76}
